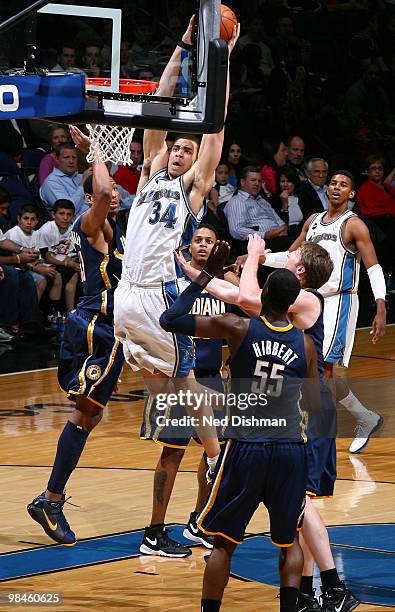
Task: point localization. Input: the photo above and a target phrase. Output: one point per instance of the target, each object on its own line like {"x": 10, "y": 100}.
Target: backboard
{"x": 108, "y": 45}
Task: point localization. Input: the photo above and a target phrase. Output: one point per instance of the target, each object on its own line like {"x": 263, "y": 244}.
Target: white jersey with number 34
{"x": 160, "y": 221}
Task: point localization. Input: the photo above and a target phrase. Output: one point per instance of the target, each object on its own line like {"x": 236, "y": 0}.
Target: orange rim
{"x": 132, "y": 86}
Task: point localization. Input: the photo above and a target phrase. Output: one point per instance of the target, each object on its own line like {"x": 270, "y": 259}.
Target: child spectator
{"x": 57, "y": 248}
{"x": 223, "y": 189}
{"x": 24, "y": 234}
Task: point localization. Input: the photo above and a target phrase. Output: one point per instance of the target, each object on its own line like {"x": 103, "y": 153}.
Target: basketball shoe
{"x": 49, "y": 514}
{"x": 195, "y": 534}
{"x": 366, "y": 426}
{"x": 307, "y": 603}
{"x": 156, "y": 541}
{"x": 338, "y": 599}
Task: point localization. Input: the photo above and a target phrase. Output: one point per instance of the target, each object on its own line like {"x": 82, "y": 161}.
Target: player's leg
{"x": 290, "y": 568}
{"x": 316, "y": 536}
{"x": 156, "y": 540}
{"x": 216, "y": 574}
{"x": 47, "y": 508}
{"x": 89, "y": 367}
{"x": 340, "y": 317}
{"x": 192, "y": 531}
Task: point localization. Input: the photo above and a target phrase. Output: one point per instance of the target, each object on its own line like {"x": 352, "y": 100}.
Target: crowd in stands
{"x": 312, "y": 91}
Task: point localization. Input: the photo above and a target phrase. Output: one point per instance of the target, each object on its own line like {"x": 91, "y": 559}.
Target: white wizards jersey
{"x": 160, "y": 221}
{"x": 346, "y": 263}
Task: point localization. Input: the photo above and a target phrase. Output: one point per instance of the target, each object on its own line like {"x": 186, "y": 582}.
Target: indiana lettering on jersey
{"x": 323, "y": 237}
{"x": 157, "y": 194}
{"x": 275, "y": 349}
{"x": 205, "y": 305}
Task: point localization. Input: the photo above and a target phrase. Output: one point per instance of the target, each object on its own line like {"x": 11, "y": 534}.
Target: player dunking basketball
{"x": 164, "y": 213}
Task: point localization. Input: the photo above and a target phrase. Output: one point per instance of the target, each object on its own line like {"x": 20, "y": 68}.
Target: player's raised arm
{"x": 94, "y": 218}
{"x": 154, "y": 144}
{"x": 201, "y": 176}
{"x": 249, "y": 289}
{"x": 359, "y": 234}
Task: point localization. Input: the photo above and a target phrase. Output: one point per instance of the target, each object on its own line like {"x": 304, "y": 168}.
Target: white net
{"x": 110, "y": 143}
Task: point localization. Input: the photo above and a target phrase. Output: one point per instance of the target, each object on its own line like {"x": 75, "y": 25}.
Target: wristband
{"x": 276, "y": 260}
{"x": 18, "y": 259}
{"x": 204, "y": 278}
{"x": 185, "y": 45}
{"x": 377, "y": 281}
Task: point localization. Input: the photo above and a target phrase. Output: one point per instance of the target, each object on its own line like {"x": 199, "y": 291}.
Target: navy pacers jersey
{"x": 316, "y": 333}
{"x": 100, "y": 273}
{"x": 208, "y": 352}
{"x": 267, "y": 373}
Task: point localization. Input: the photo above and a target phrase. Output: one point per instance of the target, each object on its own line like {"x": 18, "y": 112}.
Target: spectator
{"x": 57, "y": 248}
{"x": 287, "y": 184}
{"x": 92, "y": 60}
{"x": 19, "y": 311}
{"x": 65, "y": 182}
{"x": 66, "y": 59}
{"x": 274, "y": 157}
{"x": 376, "y": 198}
{"x": 366, "y": 103}
{"x": 57, "y": 134}
{"x": 5, "y": 201}
{"x": 312, "y": 193}
{"x": 222, "y": 190}
{"x": 128, "y": 176}
{"x": 295, "y": 155}
{"x": 255, "y": 33}
{"x": 248, "y": 212}
{"x": 25, "y": 235}
{"x": 234, "y": 157}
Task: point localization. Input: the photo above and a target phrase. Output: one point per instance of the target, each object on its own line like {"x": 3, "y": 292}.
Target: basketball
{"x": 228, "y": 21}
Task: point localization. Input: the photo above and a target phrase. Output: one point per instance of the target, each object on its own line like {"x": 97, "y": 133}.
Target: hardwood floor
{"x": 113, "y": 482}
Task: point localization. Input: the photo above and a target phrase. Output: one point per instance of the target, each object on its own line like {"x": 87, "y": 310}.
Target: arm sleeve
{"x": 177, "y": 317}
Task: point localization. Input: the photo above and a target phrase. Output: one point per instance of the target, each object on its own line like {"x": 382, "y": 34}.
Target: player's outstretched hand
{"x": 378, "y": 327}
{"x": 233, "y": 39}
{"x": 256, "y": 245}
{"x": 190, "y": 272}
{"x": 218, "y": 256}
{"x": 80, "y": 140}
{"x": 188, "y": 34}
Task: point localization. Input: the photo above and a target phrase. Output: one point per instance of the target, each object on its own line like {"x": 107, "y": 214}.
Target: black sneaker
{"x": 307, "y": 603}
{"x": 193, "y": 533}
{"x": 338, "y": 599}
{"x": 157, "y": 542}
{"x": 51, "y": 518}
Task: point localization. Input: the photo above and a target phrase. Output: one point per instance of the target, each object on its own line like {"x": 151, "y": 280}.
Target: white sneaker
{"x": 365, "y": 428}
{"x": 4, "y": 336}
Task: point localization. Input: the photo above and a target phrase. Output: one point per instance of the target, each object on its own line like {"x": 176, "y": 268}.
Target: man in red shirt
{"x": 128, "y": 176}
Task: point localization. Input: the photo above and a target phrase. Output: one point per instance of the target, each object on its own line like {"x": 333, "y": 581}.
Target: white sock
{"x": 354, "y": 406}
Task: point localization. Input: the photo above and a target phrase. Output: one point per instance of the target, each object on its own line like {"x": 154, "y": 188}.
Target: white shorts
{"x": 137, "y": 309}
{"x": 340, "y": 320}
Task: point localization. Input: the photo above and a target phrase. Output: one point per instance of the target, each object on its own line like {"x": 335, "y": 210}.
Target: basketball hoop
{"x": 112, "y": 142}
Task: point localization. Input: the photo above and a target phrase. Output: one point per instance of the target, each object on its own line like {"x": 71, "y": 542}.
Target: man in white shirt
{"x": 313, "y": 192}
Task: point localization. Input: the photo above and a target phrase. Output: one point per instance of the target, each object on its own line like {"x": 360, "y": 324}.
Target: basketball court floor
{"x": 111, "y": 497}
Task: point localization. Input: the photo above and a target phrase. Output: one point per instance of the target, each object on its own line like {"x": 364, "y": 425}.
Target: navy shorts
{"x": 321, "y": 449}
{"x": 179, "y": 435}
{"x": 91, "y": 359}
{"x": 250, "y": 473}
